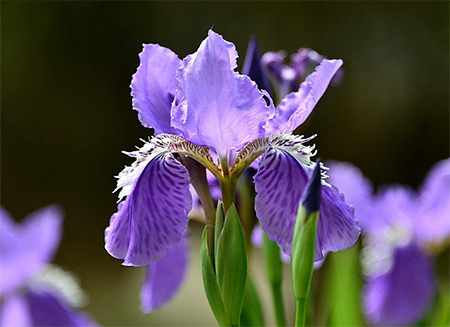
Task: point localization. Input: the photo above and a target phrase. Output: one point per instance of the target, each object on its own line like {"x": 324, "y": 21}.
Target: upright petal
{"x": 27, "y": 247}
{"x": 9, "y": 239}
{"x": 280, "y": 183}
{"x": 154, "y": 215}
{"x": 47, "y": 309}
{"x": 165, "y": 277}
{"x": 253, "y": 68}
{"x": 433, "y": 223}
{"x": 404, "y": 294}
{"x": 216, "y": 106}
{"x": 396, "y": 210}
{"x": 153, "y": 87}
{"x": 14, "y": 312}
{"x": 41, "y": 234}
{"x": 295, "y": 108}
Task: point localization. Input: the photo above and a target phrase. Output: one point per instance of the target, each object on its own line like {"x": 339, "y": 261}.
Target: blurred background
{"x": 66, "y": 111}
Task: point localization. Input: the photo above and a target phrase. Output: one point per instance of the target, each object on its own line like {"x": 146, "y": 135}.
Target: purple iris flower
{"x": 286, "y": 78}
{"x": 202, "y": 108}
{"x": 32, "y": 292}
{"x": 400, "y": 226}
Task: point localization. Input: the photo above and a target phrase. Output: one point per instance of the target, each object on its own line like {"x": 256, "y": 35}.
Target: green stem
{"x": 227, "y": 185}
{"x": 278, "y": 304}
{"x": 246, "y": 200}
{"x": 197, "y": 175}
{"x": 274, "y": 267}
{"x": 300, "y": 312}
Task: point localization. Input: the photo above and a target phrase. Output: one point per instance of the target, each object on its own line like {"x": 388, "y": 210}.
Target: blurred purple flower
{"x": 286, "y": 78}
{"x": 202, "y": 108}
{"x": 32, "y": 292}
{"x": 399, "y": 225}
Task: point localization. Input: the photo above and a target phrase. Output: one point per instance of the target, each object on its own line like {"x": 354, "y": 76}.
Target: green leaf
{"x": 252, "y": 314}
{"x": 231, "y": 265}
{"x": 440, "y": 316}
{"x": 212, "y": 289}
{"x": 340, "y": 302}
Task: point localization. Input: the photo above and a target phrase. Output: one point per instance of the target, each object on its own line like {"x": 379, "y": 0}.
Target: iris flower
{"x": 286, "y": 77}
{"x": 400, "y": 228}
{"x": 32, "y": 292}
{"x": 201, "y": 107}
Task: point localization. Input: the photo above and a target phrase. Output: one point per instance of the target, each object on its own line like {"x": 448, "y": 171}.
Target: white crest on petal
{"x": 294, "y": 145}
{"x": 63, "y": 283}
{"x": 153, "y": 147}
{"x": 379, "y": 250}
{"x": 161, "y": 144}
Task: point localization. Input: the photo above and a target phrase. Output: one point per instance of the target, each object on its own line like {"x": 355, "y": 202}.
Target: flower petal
{"x": 280, "y": 182}
{"x": 42, "y": 234}
{"x": 27, "y": 247}
{"x": 433, "y": 221}
{"x": 357, "y": 190}
{"x": 165, "y": 277}
{"x": 14, "y": 312}
{"x": 337, "y": 229}
{"x": 396, "y": 208}
{"x": 216, "y": 106}
{"x": 154, "y": 216}
{"x": 295, "y": 108}
{"x": 153, "y": 87}
{"x": 404, "y": 294}
{"x": 47, "y": 309}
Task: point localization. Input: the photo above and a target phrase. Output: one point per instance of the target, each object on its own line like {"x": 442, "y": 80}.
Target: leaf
{"x": 440, "y": 316}
{"x": 231, "y": 265}
{"x": 252, "y": 314}
{"x": 212, "y": 289}
{"x": 340, "y": 301}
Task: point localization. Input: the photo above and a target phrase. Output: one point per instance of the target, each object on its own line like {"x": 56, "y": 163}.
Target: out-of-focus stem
{"x": 274, "y": 267}
{"x": 197, "y": 175}
{"x": 278, "y": 304}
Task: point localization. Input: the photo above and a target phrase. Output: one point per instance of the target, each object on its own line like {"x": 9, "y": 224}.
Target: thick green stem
{"x": 228, "y": 188}
{"x": 227, "y": 185}
{"x": 300, "y": 312}
{"x": 246, "y": 201}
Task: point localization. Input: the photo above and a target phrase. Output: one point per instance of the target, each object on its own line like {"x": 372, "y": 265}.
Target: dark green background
{"x": 66, "y": 109}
